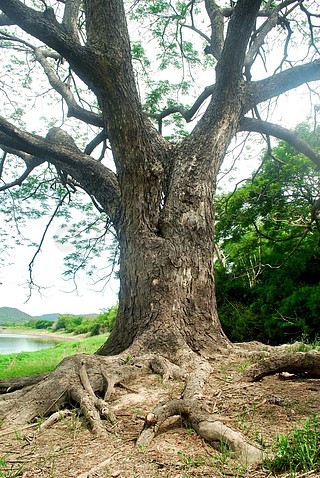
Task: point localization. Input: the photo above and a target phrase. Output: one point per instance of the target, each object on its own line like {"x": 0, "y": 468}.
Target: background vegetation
{"x": 268, "y": 269}
{"x": 79, "y": 324}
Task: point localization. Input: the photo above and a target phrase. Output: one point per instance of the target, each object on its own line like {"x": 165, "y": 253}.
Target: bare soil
{"x": 259, "y": 410}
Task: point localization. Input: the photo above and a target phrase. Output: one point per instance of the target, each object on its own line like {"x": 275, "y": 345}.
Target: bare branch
{"x": 264, "y": 127}
{"x": 70, "y": 17}
{"x": 31, "y": 263}
{"x": 187, "y": 114}
{"x": 102, "y": 136}
{"x": 73, "y": 108}
{"x": 60, "y": 150}
{"x": 31, "y": 164}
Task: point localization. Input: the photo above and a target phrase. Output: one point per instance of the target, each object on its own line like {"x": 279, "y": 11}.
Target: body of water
{"x": 14, "y": 343}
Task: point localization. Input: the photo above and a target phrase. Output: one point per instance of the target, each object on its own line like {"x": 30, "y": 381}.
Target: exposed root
{"x": 92, "y": 407}
{"x": 16, "y": 383}
{"x": 90, "y": 383}
{"x": 296, "y": 363}
{"x": 95, "y": 469}
{"x": 206, "y": 425}
{"x": 55, "y": 417}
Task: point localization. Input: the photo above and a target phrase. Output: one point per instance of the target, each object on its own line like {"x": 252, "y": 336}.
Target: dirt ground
{"x": 259, "y": 410}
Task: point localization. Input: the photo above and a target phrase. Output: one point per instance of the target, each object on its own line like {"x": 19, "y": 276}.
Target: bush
{"x": 40, "y": 324}
{"x": 100, "y": 324}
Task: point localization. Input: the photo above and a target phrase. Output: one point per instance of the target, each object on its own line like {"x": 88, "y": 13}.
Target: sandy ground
{"x": 40, "y": 333}
{"x": 259, "y": 410}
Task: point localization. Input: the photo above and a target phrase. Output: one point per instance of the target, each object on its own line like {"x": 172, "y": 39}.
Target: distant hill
{"x": 15, "y": 316}
{"x": 54, "y": 317}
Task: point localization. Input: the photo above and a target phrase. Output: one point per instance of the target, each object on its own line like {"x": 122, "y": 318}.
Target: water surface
{"x": 14, "y": 343}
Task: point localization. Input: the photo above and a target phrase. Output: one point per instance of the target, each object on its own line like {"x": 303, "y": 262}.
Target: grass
{"x": 304, "y": 346}
{"x": 45, "y": 360}
{"x": 299, "y": 450}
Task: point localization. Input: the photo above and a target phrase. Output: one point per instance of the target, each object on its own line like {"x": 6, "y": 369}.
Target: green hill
{"x": 53, "y": 317}
{"x": 12, "y": 315}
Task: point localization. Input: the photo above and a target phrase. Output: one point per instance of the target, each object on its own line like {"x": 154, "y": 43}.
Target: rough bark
{"x": 296, "y": 363}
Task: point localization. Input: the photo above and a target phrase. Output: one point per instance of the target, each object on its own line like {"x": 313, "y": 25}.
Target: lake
{"x": 14, "y": 343}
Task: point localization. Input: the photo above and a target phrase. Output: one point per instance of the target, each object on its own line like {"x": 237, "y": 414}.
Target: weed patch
{"x": 299, "y": 450}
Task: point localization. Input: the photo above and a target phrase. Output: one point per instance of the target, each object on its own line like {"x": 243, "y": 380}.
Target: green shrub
{"x": 40, "y": 324}
{"x": 100, "y": 324}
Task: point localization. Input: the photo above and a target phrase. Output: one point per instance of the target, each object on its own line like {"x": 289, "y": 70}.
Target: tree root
{"x": 206, "y": 425}
{"x": 296, "y": 363}
{"x": 89, "y": 382}
{"x": 16, "y": 383}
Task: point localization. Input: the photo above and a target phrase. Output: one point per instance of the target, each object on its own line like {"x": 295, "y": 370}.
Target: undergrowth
{"x": 298, "y": 450}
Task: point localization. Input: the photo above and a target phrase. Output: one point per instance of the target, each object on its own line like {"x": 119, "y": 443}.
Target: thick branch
{"x": 70, "y": 17}
{"x": 96, "y": 179}
{"x": 42, "y": 25}
{"x": 240, "y": 27}
{"x": 264, "y": 127}
{"x": 275, "y": 85}
{"x": 217, "y": 26}
{"x": 269, "y": 24}
{"x": 5, "y": 21}
{"x": 45, "y": 27}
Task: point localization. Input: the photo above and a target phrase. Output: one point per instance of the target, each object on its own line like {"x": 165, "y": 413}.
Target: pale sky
{"x": 57, "y": 294}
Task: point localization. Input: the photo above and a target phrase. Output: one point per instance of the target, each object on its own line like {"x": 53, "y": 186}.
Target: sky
{"x": 57, "y": 295}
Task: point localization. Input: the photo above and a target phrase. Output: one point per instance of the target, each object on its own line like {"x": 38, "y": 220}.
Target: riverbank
{"x": 40, "y": 333}
{"x": 45, "y": 360}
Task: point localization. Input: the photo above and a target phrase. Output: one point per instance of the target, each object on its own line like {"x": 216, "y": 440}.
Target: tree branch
{"x": 45, "y": 27}
{"x": 275, "y": 85}
{"x": 217, "y": 27}
{"x": 60, "y": 150}
{"x": 31, "y": 164}
{"x": 269, "y": 24}
{"x": 73, "y": 108}
{"x": 230, "y": 65}
{"x": 264, "y": 127}
{"x": 70, "y": 17}
{"x": 5, "y": 21}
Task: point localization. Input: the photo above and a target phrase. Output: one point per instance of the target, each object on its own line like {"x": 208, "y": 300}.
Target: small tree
{"x": 158, "y": 195}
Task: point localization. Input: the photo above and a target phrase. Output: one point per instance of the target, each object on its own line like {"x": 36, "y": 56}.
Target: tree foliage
{"x": 268, "y": 231}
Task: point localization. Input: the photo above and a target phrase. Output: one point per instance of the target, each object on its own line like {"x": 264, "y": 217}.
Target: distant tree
{"x": 113, "y": 64}
{"x": 268, "y": 231}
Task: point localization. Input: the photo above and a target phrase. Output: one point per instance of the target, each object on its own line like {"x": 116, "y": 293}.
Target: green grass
{"x": 45, "y": 360}
{"x": 304, "y": 346}
{"x": 299, "y": 450}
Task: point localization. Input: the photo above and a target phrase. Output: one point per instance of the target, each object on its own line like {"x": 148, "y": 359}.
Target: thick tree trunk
{"x": 166, "y": 298}
{"x": 167, "y": 293}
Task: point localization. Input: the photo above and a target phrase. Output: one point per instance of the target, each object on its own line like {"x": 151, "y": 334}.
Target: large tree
{"x": 159, "y": 195}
